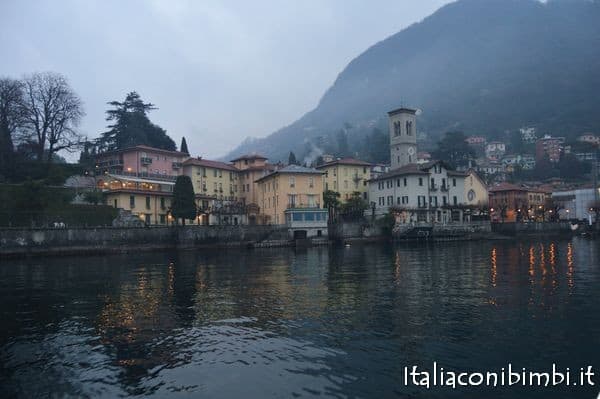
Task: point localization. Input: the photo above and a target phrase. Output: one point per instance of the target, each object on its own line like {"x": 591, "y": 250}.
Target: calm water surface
{"x": 329, "y": 322}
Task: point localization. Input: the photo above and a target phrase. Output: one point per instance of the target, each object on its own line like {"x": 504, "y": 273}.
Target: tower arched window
{"x": 397, "y": 128}
{"x": 409, "y": 128}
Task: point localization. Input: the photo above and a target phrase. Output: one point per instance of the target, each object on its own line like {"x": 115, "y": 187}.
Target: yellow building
{"x": 217, "y": 188}
{"x": 346, "y": 176}
{"x": 476, "y": 192}
{"x": 251, "y": 168}
{"x": 213, "y": 179}
{"x": 150, "y": 200}
{"x": 292, "y": 196}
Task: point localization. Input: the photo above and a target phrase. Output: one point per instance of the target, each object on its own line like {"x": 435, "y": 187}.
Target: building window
{"x": 405, "y": 182}
{"x": 390, "y": 200}
{"x": 292, "y": 181}
{"x": 132, "y": 201}
{"x": 162, "y": 219}
{"x": 445, "y": 201}
{"x": 214, "y": 173}
{"x": 311, "y": 182}
{"x": 454, "y": 182}
{"x": 147, "y": 202}
{"x": 398, "y": 200}
{"x": 115, "y": 202}
{"x": 420, "y": 181}
{"x": 455, "y": 200}
{"x": 297, "y": 217}
{"x": 291, "y": 200}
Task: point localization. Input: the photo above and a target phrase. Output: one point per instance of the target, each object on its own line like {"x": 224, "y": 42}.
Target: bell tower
{"x": 403, "y": 137}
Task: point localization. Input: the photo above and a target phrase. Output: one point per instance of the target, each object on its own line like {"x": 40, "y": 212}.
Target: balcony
{"x": 300, "y": 205}
{"x": 445, "y": 188}
{"x": 177, "y": 165}
{"x": 145, "y": 160}
{"x": 433, "y": 187}
{"x": 110, "y": 163}
{"x": 148, "y": 175}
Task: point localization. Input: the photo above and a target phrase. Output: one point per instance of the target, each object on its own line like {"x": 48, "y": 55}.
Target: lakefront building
{"x": 292, "y": 196}
{"x": 427, "y": 192}
{"x": 216, "y": 190}
{"x": 140, "y": 180}
{"x": 251, "y": 167}
{"x": 346, "y": 176}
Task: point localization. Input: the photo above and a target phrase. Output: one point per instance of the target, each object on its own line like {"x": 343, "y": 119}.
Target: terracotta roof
{"x": 417, "y": 169}
{"x": 345, "y": 161}
{"x": 210, "y": 164}
{"x": 143, "y": 148}
{"x": 410, "y": 169}
{"x": 249, "y": 156}
{"x": 293, "y": 169}
{"x": 506, "y": 187}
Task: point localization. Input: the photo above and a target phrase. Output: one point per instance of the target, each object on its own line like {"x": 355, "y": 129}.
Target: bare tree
{"x": 11, "y": 117}
{"x": 52, "y": 113}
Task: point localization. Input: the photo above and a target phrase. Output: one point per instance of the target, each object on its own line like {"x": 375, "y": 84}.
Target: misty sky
{"x": 219, "y": 71}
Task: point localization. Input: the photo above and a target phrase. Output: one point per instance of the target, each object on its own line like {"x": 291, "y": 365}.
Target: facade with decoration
{"x": 427, "y": 192}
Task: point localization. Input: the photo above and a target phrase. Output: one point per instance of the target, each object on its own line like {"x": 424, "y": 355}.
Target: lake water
{"x": 330, "y": 322}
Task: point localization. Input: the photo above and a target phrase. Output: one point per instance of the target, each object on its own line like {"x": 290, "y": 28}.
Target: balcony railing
{"x": 109, "y": 163}
{"x": 177, "y": 165}
{"x": 148, "y": 175}
{"x": 300, "y": 205}
{"x": 445, "y": 188}
{"x": 433, "y": 187}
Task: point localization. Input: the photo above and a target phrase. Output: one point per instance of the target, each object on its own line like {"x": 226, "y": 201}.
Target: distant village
{"x": 414, "y": 188}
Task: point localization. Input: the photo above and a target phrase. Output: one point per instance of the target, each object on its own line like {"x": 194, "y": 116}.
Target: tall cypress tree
{"x": 183, "y": 205}
{"x": 292, "y": 159}
{"x": 183, "y": 148}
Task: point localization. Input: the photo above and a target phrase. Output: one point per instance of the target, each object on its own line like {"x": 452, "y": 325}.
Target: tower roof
{"x": 402, "y": 110}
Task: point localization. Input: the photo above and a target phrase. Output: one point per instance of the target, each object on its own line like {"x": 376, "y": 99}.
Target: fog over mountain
{"x": 483, "y": 67}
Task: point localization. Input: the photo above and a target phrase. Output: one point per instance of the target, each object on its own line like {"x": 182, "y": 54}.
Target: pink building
{"x": 142, "y": 161}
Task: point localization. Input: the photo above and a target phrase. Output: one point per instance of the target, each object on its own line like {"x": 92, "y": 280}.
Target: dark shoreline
{"x": 95, "y": 250}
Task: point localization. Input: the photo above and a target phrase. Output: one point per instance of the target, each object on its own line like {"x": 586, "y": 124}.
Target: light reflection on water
{"x": 337, "y": 322}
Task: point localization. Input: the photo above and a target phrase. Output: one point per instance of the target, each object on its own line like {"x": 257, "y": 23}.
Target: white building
{"x": 576, "y": 204}
{"x": 526, "y": 162}
{"x": 428, "y": 192}
{"x": 495, "y": 150}
{"x": 528, "y": 134}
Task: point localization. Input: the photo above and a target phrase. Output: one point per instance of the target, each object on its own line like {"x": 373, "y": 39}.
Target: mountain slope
{"x": 483, "y": 67}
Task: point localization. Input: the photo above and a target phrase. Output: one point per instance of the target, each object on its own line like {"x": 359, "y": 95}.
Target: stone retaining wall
{"x": 120, "y": 239}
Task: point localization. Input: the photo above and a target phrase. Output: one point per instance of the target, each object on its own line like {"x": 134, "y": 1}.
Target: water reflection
{"x": 339, "y": 322}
